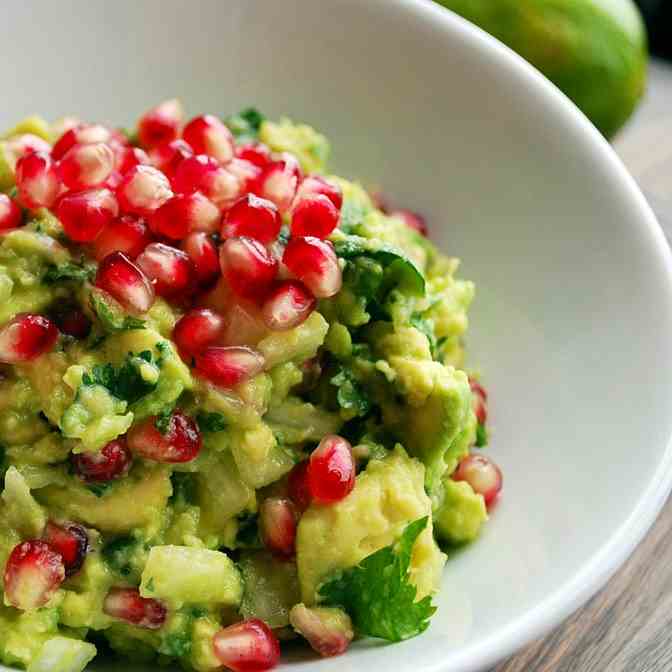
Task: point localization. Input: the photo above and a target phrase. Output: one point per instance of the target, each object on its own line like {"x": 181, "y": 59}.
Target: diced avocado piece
{"x": 387, "y": 496}
{"x": 6, "y": 168}
{"x": 310, "y": 147}
{"x": 63, "y": 654}
{"x": 34, "y": 124}
{"x": 21, "y": 510}
{"x": 23, "y": 634}
{"x": 202, "y": 656}
{"x": 283, "y": 378}
{"x": 20, "y": 420}
{"x": 296, "y": 421}
{"x": 294, "y": 345}
{"x": 271, "y": 588}
{"x": 181, "y": 574}
{"x": 461, "y": 513}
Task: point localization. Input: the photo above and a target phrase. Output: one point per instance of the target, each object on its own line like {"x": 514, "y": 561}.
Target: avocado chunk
{"x": 63, "y": 654}
{"x": 21, "y": 510}
{"x": 310, "y": 147}
{"x": 461, "y": 513}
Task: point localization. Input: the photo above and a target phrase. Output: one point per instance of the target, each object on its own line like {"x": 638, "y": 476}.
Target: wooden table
{"x": 627, "y": 627}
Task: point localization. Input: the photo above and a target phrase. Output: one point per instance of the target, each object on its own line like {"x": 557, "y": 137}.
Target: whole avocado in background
{"x": 593, "y": 50}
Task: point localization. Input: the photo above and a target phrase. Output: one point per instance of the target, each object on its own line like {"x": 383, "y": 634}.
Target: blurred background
{"x": 658, "y": 16}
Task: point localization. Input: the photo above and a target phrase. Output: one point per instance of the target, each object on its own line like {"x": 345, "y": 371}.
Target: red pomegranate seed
{"x": 204, "y": 256}
{"x": 113, "y": 182}
{"x": 297, "y": 485}
{"x": 111, "y": 462}
{"x": 126, "y": 604}
{"x": 196, "y": 330}
{"x": 255, "y": 152}
{"x": 315, "y": 264}
{"x": 190, "y": 174}
{"x": 314, "y": 185}
{"x": 314, "y": 216}
{"x": 248, "y": 267}
{"x": 181, "y": 441}
{"x": 222, "y": 187}
{"x": 482, "y": 474}
{"x": 26, "y": 337}
{"x": 143, "y": 190}
{"x": 27, "y": 143}
{"x": 85, "y": 214}
{"x": 229, "y": 366}
{"x": 279, "y": 180}
{"x": 331, "y": 472}
{"x": 71, "y": 542}
{"x": 33, "y": 573}
{"x": 126, "y": 158}
{"x": 170, "y": 269}
{"x": 37, "y": 180}
{"x": 412, "y": 219}
{"x": 125, "y": 282}
{"x": 11, "y": 216}
{"x": 184, "y": 213}
{"x": 127, "y": 234}
{"x": 252, "y": 217}
{"x": 168, "y": 156}
{"x": 246, "y": 173}
{"x": 287, "y": 306}
{"x": 248, "y": 646}
{"x": 328, "y": 631}
{"x": 160, "y": 124}
{"x": 479, "y": 399}
{"x": 82, "y": 134}
{"x": 208, "y": 135}
{"x": 277, "y": 516}
{"x": 86, "y": 166}
{"x": 74, "y": 323}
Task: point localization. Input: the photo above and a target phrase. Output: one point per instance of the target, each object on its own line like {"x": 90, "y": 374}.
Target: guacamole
{"x": 233, "y": 408}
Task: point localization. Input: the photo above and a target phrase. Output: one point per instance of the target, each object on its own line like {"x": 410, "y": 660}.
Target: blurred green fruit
{"x": 594, "y": 50}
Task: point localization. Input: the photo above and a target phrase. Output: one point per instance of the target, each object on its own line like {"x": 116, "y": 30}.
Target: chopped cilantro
{"x": 184, "y": 488}
{"x": 210, "y": 422}
{"x": 352, "y": 215}
{"x": 378, "y": 594}
{"x": 162, "y": 422}
{"x": 350, "y": 395}
{"x": 117, "y": 554}
{"x": 113, "y": 320}
{"x": 69, "y": 273}
{"x": 124, "y": 382}
{"x": 364, "y": 276}
{"x": 481, "y": 435}
{"x": 150, "y": 584}
{"x": 176, "y": 645}
{"x": 245, "y": 125}
{"x": 426, "y": 326}
{"x": 98, "y": 489}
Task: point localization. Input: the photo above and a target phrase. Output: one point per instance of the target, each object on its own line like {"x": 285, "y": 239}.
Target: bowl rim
{"x": 585, "y": 582}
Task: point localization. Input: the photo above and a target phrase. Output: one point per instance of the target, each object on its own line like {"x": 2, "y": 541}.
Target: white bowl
{"x": 573, "y": 322}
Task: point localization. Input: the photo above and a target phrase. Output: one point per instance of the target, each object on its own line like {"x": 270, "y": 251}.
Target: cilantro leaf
{"x": 124, "y": 382}
{"x": 481, "y": 435}
{"x": 162, "y": 422}
{"x": 210, "y": 422}
{"x": 350, "y": 395}
{"x": 426, "y": 326}
{"x": 111, "y": 318}
{"x": 184, "y": 488}
{"x": 245, "y": 125}
{"x": 98, "y": 489}
{"x": 377, "y": 593}
{"x": 69, "y": 273}
{"x": 352, "y": 215}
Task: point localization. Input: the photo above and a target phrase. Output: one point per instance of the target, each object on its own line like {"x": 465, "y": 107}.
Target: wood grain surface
{"x": 627, "y": 627}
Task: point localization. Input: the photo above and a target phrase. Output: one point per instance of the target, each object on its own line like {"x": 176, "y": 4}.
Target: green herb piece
{"x": 117, "y": 554}
{"x": 481, "y": 435}
{"x": 98, "y": 489}
{"x": 210, "y": 422}
{"x": 184, "y": 489}
{"x": 350, "y": 394}
{"x": 248, "y": 531}
{"x": 69, "y": 273}
{"x": 378, "y": 593}
{"x": 162, "y": 422}
{"x": 426, "y": 326}
{"x": 352, "y": 215}
{"x": 112, "y": 318}
{"x": 124, "y": 382}
{"x": 245, "y": 125}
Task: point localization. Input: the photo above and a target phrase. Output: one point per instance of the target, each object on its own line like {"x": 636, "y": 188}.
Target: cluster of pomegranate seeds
{"x": 277, "y": 516}
{"x": 109, "y": 463}
{"x": 26, "y": 337}
{"x": 482, "y": 474}
{"x": 248, "y": 646}
{"x": 180, "y": 441}
{"x": 331, "y": 470}
{"x": 71, "y": 542}
{"x": 10, "y": 213}
{"x": 126, "y": 604}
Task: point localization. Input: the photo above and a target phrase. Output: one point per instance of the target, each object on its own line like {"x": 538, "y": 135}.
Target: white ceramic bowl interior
{"x": 572, "y": 323}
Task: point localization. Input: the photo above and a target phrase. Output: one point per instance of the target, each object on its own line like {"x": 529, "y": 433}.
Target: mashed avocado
{"x": 161, "y": 443}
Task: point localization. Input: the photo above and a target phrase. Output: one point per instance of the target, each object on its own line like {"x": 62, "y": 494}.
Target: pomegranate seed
{"x": 315, "y": 264}
{"x": 331, "y": 472}
{"x": 482, "y": 474}
{"x": 26, "y": 337}
{"x": 229, "y": 366}
{"x": 125, "y": 282}
{"x": 11, "y": 216}
{"x": 86, "y": 166}
{"x": 85, "y": 214}
{"x": 252, "y": 217}
{"x": 222, "y": 187}
{"x": 33, "y": 573}
{"x": 82, "y": 134}
{"x": 278, "y": 525}
{"x": 288, "y": 305}
{"x": 126, "y": 604}
{"x": 204, "y": 255}
{"x": 279, "y": 180}
{"x": 190, "y": 173}
{"x": 160, "y": 124}
{"x": 180, "y": 443}
{"x": 168, "y": 156}
{"x": 314, "y": 216}
{"x": 111, "y": 462}
{"x": 246, "y": 173}
{"x": 208, "y": 135}
{"x": 297, "y": 485}
{"x": 412, "y": 219}
{"x": 37, "y": 180}
{"x": 256, "y": 153}
{"x": 314, "y": 185}
{"x": 248, "y": 267}
{"x": 113, "y": 182}
{"x": 170, "y": 269}
{"x": 27, "y": 143}
{"x": 127, "y": 234}
{"x": 74, "y": 323}
{"x": 479, "y": 400}
{"x": 184, "y": 213}
{"x": 143, "y": 190}
{"x": 196, "y": 330}
{"x": 126, "y": 158}
{"x": 328, "y": 630}
{"x": 248, "y": 646}
{"x": 71, "y": 542}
